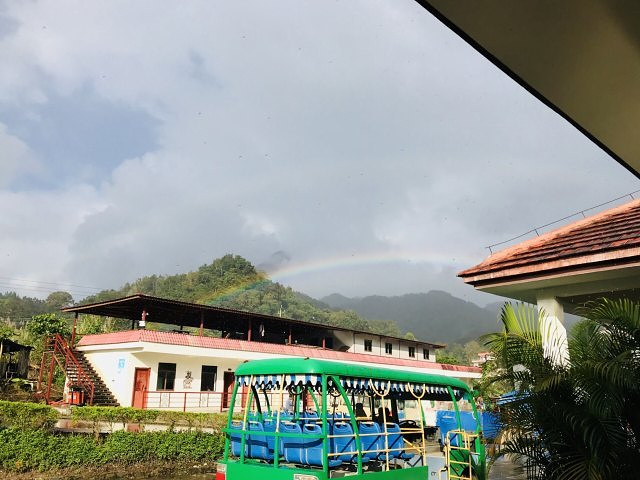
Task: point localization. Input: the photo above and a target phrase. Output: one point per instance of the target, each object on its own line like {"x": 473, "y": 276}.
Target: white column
{"x": 554, "y": 335}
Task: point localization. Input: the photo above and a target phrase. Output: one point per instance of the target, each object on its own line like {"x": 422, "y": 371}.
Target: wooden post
{"x": 289, "y": 334}
{"x": 201, "y": 323}
{"x": 324, "y": 342}
{"x": 249, "y": 331}
{"x": 73, "y": 332}
{"x": 50, "y": 379}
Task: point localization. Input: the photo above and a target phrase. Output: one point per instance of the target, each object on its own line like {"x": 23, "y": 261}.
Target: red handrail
{"x": 59, "y": 347}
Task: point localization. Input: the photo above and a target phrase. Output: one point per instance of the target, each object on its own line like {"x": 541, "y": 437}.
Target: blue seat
{"x": 270, "y": 426}
{"x": 313, "y": 448}
{"x": 345, "y": 442}
{"x": 446, "y": 421}
{"x": 396, "y": 442}
{"x": 370, "y": 438}
{"x": 258, "y": 445}
{"x": 292, "y": 447}
{"x": 236, "y": 439}
{"x": 310, "y": 417}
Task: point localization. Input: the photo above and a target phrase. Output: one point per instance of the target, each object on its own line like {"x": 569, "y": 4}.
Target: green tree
{"x": 7, "y": 331}
{"x": 575, "y": 419}
{"x": 56, "y": 300}
{"x": 47, "y": 324}
{"x": 409, "y": 336}
{"x": 447, "y": 359}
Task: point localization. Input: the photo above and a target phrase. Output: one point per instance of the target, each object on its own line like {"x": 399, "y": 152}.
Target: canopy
{"x": 350, "y": 384}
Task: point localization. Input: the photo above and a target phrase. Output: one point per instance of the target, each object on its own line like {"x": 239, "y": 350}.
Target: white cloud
{"x": 316, "y": 129}
{"x": 15, "y": 158}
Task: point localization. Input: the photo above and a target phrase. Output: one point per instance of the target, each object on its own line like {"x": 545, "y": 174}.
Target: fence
{"x": 190, "y": 401}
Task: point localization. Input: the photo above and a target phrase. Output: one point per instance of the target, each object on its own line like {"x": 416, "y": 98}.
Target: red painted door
{"x": 140, "y": 387}
{"x": 227, "y": 389}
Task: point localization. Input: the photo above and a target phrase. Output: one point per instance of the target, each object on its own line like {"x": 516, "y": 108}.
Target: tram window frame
{"x": 368, "y": 345}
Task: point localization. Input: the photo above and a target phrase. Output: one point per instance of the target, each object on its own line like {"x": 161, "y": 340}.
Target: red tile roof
{"x": 609, "y": 238}
{"x": 170, "y": 338}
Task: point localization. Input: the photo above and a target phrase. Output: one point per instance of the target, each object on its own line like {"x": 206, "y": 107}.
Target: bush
{"x": 125, "y": 415}
{"x": 30, "y": 450}
{"x": 27, "y": 415}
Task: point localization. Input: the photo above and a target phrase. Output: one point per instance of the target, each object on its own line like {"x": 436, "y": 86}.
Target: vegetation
{"x": 574, "y": 418}
{"x": 436, "y": 316}
{"x": 27, "y": 442}
{"x": 460, "y": 354}
{"x": 233, "y": 282}
{"x": 40, "y": 450}
{"x": 26, "y": 415}
{"x": 128, "y": 415}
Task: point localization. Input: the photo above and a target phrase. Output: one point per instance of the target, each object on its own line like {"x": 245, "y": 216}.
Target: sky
{"x": 357, "y": 147}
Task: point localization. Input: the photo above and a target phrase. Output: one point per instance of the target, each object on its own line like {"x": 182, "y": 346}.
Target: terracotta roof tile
{"x": 613, "y": 231}
{"x": 170, "y": 338}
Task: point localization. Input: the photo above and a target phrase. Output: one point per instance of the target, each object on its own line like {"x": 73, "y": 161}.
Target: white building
{"x": 187, "y": 370}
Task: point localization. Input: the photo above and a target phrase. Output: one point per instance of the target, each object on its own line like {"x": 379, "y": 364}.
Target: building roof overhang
{"x": 176, "y": 312}
{"x": 597, "y": 255}
{"x": 581, "y": 58}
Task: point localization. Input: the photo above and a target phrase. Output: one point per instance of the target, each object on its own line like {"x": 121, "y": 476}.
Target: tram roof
{"x": 314, "y": 366}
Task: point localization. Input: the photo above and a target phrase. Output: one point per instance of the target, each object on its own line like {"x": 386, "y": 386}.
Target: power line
{"x": 536, "y": 230}
{"x": 26, "y": 280}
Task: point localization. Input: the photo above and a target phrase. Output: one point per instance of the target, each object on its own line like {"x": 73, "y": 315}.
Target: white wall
{"x": 116, "y": 365}
{"x": 400, "y": 348}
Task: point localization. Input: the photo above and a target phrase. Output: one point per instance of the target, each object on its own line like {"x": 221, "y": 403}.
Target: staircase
{"x": 80, "y": 373}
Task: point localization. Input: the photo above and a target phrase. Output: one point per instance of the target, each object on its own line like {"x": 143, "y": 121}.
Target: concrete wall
{"x": 400, "y": 348}
{"x": 116, "y": 364}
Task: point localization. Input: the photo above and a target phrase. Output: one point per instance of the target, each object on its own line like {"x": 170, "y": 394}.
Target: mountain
{"x": 233, "y": 282}
{"x": 434, "y": 316}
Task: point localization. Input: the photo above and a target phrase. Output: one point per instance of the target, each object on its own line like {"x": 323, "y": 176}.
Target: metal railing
{"x": 62, "y": 355}
{"x": 189, "y": 401}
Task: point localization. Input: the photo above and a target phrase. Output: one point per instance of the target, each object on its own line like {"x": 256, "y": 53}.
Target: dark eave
{"x": 175, "y": 312}
{"x": 581, "y": 58}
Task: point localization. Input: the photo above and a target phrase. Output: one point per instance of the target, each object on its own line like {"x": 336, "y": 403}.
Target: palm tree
{"x": 576, "y": 419}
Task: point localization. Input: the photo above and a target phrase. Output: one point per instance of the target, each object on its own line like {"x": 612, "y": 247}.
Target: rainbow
{"x": 361, "y": 260}
{"x": 288, "y": 272}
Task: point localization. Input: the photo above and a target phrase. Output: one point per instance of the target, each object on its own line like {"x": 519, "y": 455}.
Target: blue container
{"x": 490, "y": 425}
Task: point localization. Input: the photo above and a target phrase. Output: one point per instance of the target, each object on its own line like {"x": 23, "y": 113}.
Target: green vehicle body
{"x": 250, "y": 469}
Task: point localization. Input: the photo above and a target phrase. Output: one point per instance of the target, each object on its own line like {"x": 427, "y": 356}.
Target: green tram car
{"x": 307, "y": 419}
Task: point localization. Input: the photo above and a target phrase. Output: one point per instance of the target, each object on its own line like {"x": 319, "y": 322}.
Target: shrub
{"x": 30, "y": 450}
{"x": 125, "y": 415}
{"x": 27, "y": 415}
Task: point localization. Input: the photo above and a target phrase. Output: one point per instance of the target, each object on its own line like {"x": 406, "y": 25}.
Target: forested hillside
{"x": 233, "y": 282}
{"x": 436, "y": 316}
{"x": 17, "y": 310}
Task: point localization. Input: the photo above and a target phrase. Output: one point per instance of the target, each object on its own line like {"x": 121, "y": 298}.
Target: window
{"x": 388, "y": 348}
{"x": 166, "y": 376}
{"x": 368, "y": 345}
{"x": 412, "y": 352}
{"x": 425, "y": 353}
{"x": 208, "y": 378}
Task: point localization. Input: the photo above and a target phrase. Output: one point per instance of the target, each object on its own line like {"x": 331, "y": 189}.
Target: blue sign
{"x": 120, "y": 363}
